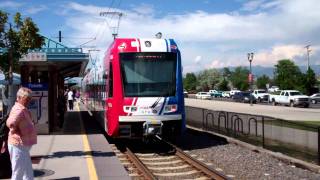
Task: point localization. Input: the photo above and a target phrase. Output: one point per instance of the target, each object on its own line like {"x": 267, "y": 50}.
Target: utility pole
{"x": 10, "y": 74}
{"x": 308, "y": 51}
{"x": 114, "y": 29}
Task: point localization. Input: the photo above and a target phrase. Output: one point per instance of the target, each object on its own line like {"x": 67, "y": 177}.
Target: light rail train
{"x": 137, "y": 90}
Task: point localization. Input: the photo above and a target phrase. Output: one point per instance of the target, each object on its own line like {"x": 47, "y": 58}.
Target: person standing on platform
{"x": 22, "y": 135}
{"x": 70, "y": 99}
{"x": 61, "y": 107}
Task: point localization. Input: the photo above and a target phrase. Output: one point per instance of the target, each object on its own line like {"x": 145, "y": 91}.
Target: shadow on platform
{"x": 79, "y": 122}
{"x": 62, "y": 154}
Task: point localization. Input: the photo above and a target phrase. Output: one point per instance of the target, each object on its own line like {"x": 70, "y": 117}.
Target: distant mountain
{"x": 260, "y": 70}
{"x": 268, "y": 70}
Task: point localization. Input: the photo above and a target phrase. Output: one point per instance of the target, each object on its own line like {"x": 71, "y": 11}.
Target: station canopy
{"x": 70, "y": 62}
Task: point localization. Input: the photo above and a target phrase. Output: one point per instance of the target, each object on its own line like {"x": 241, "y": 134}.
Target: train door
{"x": 109, "y": 99}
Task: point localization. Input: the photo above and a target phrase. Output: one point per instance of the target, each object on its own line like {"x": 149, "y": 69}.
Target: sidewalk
{"x": 72, "y": 154}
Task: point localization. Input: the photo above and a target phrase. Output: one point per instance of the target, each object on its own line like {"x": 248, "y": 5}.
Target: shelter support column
{"x": 53, "y": 96}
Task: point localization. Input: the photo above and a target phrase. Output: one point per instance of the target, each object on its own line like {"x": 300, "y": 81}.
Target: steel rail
{"x": 135, "y": 160}
{"x": 213, "y": 174}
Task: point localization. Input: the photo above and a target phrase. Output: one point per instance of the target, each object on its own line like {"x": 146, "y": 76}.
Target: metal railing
{"x": 293, "y": 138}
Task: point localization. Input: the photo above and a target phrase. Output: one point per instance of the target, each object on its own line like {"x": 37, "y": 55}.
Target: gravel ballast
{"x": 238, "y": 162}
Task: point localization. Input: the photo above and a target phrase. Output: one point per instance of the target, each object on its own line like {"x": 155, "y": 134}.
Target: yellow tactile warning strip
{"x": 86, "y": 147}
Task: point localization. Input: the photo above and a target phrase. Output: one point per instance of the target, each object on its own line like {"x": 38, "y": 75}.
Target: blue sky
{"x": 210, "y": 33}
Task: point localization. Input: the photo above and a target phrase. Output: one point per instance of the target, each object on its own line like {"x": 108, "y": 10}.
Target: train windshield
{"x": 149, "y": 74}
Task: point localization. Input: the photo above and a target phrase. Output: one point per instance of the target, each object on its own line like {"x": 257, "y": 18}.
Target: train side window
{"x": 110, "y": 81}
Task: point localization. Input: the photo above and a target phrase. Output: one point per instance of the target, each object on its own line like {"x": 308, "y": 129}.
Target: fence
{"x": 288, "y": 137}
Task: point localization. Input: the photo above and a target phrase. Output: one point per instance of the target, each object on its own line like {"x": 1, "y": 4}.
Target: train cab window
{"x": 149, "y": 74}
{"x": 110, "y": 81}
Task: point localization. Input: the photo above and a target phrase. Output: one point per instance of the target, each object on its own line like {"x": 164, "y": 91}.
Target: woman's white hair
{"x": 24, "y": 92}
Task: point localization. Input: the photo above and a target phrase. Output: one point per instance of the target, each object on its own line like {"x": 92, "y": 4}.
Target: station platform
{"x": 77, "y": 151}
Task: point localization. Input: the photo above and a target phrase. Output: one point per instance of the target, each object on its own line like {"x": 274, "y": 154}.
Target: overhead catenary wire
{"x": 115, "y": 29}
{"x": 100, "y": 31}
{"x": 105, "y": 22}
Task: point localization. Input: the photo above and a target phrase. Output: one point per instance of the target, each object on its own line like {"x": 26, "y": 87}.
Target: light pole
{"x": 308, "y": 51}
{"x": 250, "y": 58}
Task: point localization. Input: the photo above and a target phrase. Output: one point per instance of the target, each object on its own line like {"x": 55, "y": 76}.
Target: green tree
{"x": 190, "y": 82}
{"x": 18, "y": 38}
{"x": 208, "y": 79}
{"x": 239, "y": 78}
{"x": 262, "y": 81}
{"x": 226, "y": 72}
{"x": 223, "y": 85}
{"x": 288, "y": 75}
{"x": 309, "y": 81}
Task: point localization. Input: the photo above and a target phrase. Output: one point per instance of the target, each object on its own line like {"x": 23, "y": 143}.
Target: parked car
{"x": 185, "y": 93}
{"x": 244, "y": 97}
{"x": 315, "y": 98}
{"x": 215, "y": 93}
{"x": 226, "y": 94}
{"x": 273, "y": 89}
{"x": 289, "y": 97}
{"x": 261, "y": 95}
{"x": 232, "y": 92}
{"x": 203, "y": 95}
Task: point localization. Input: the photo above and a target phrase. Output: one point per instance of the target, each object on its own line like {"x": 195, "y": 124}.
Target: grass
{"x": 292, "y": 150}
{"x": 277, "y": 146}
{"x": 302, "y": 125}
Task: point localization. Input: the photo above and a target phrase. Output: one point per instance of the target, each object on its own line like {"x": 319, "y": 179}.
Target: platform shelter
{"x": 44, "y": 70}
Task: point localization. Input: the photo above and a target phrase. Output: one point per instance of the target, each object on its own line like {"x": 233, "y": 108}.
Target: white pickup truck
{"x": 261, "y": 95}
{"x": 289, "y": 97}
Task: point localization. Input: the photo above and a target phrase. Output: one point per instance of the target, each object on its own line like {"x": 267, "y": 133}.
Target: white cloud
{"x": 269, "y": 58}
{"x": 217, "y": 64}
{"x": 143, "y": 9}
{"x": 261, "y": 5}
{"x": 36, "y": 9}
{"x": 252, "y": 5}
{"x": 197, "y": 60}
{"x": 10, "y": 4}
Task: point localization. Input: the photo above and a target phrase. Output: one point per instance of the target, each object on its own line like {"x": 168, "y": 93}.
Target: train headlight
{"x": 170, "y": 108}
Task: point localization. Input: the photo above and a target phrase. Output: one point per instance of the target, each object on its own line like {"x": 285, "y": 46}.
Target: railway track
{"x": 168, "y": 163}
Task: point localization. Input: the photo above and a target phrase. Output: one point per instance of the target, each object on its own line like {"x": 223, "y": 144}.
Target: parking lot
{"x": 193, "y": 96}
{"x": 281, "y": 112}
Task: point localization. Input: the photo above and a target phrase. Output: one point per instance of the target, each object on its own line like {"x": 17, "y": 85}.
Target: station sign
{"x": 34, "y": 57}
{"x": 36, "y": 86}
